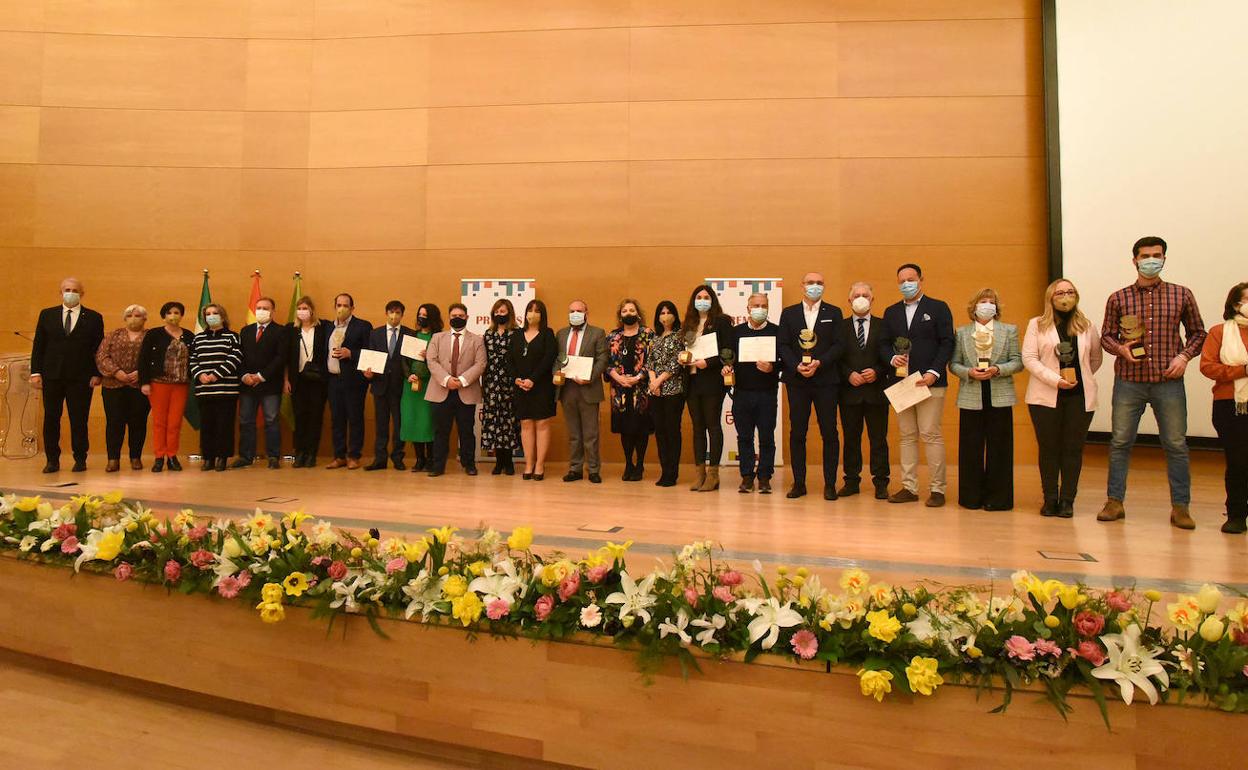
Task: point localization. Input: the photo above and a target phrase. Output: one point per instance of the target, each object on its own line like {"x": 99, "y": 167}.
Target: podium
{"x": 21, "y": 409}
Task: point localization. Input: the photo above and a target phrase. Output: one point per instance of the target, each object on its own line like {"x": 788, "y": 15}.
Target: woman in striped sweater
{"x": 216, "y": 356}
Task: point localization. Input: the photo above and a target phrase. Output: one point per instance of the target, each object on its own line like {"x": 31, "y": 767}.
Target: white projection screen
{"x": 1153, "y": 133}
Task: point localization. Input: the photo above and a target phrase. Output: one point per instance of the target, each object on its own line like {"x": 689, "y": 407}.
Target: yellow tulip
{"x": 617, "y": 551}
{"x": 271, "y": 612}
{"x": 520, "y": 539}
{"x": 1208, "y": 598}
{"x": 443, "y": 534}
{"x": 295, "y": 584}
{"x": 1070, "y": 597}
{"x": 1212, "y": 629}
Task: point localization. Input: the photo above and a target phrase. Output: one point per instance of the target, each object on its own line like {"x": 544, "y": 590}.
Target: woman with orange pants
{"x": 164, "y": 368}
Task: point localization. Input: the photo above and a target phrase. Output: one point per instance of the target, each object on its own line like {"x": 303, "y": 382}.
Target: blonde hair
{"x": 133, "y": 309}
{"x": 619, "y": 310}
{"x": 981, "y": 294}
{"x": 1079, "y": 323}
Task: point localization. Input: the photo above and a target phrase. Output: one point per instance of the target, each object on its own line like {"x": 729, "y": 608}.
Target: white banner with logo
{"x": 479, "y": 295}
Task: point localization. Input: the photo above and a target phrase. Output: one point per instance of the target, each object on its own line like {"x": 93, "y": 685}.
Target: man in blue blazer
{"x": 387, "y": 386}
{"x": 928, "y": 324}
{"x": 347, "y": 386}
{"x": 814, "y": 383}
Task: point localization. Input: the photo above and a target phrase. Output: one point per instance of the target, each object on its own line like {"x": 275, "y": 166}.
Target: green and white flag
{"x": 192, "y": 405}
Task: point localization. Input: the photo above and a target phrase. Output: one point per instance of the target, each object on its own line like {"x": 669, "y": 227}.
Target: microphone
{"x": 23, "y": 336}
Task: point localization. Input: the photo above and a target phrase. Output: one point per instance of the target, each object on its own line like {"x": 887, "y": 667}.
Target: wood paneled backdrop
{"x": 604, "y": 147}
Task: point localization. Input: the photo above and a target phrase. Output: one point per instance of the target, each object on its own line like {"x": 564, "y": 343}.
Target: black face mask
{"x": 501, "y": 319}
{"x": 629, "y": 320}
{"x": 458, "y": 323}
{"x": 422, "y": 322}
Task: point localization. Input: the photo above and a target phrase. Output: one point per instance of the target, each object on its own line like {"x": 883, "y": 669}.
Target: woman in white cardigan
{"x": 1062, "y": 351}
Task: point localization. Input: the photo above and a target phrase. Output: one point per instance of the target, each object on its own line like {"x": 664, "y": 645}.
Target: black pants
{"x": 308, "y": 401}
{"x": 1233, "y": 431}
{"x": 667, "y": 411}
{"x": 708, "y": 433}
{"x": 824, "y": 400}
{"x": 875, "y": 417}
{"x": 986, "y": 457}
{"x": 387, "y": 415}
{"x": 346, "y": 412}
{"x": 462, "y": 416}
{"x": 125, "y": 411}
{"x": 217, "y": 416}
{"x": 635, "y": 446}
{"x": 1061, "y": 433}
{"x": 755, "y": 410}
{"x": 58, "y": 395}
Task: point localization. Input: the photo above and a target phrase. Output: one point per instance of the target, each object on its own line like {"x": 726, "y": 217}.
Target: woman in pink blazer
{"x": 1062, "y": 351}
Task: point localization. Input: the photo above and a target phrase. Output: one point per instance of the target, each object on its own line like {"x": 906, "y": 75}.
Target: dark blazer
{"x": 857, "y": 359}
{"x": 931, "y": 338}
{"x": 710, "y": 380}
{"x": 266, "y": 358}
{"x": 152, "y": 353}
{"x": 319, "y": 351}
{"x": 57, "y": 357}
{"x": 828, "y": 344}
{"x": 356, "y": 339}
{"x": 396, "y": 365}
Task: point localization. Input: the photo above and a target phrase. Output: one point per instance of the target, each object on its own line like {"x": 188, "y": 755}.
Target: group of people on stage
{"x": 519, "y": 370}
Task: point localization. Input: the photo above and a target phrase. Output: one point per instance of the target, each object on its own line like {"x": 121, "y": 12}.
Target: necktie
{"x": 862, "y": 336}
{"x": 455, "y": 357}
{"x": 393, "y": 334}
{"x": 573, "y": 341}
{"x": 259, "y": 332}
{"x": 69, "y": 322}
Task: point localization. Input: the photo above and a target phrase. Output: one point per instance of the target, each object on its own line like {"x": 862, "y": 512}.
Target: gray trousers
{"x": 582, "y": 419}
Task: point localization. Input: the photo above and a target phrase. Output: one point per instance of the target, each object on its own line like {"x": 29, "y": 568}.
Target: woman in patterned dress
{"x": 627, "y": 347}
{"x": 499, "y": 430}
{"x": 666, "y": 389}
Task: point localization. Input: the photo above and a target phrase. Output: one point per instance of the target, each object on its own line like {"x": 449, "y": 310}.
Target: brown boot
{"x": 113, "y": 466}
{"x": 712, "y": 479}
{"x": 699, "y": 478}
{"x": 1113, "y": 511}
{"x": 1180, "y": 517}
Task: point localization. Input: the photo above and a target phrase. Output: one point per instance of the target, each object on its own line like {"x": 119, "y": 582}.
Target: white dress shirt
{"x": 307, "y": 345}
{"x": 454, "y": 336}
{"x": 75, "y": 313}
{"x": 811, "y": 313}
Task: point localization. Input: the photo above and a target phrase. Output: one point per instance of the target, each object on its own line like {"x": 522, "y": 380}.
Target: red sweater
{"x": 1211, "y": 365}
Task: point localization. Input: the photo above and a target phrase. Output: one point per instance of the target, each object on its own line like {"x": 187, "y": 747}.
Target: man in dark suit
{"x": 263, "y": 368}
{"x": 62, "y": 364}
{"x": 810, "y": 377}
{"x": 928, "y": 325}
{"x": 387, "y": 387}
{"x": 581, "y": 399}
{"x": 862, "y": 394}
{"x": 347, "y": 386}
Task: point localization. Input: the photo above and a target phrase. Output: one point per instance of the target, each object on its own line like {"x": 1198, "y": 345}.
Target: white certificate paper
{"x": 757, "y": 349}
{"x": 372, "y": 359}
{"x": 908, "y": 392}
{"x": 579, "y": 367}
{"x": 414, "y": 347}
{"x": 706, "y": 346}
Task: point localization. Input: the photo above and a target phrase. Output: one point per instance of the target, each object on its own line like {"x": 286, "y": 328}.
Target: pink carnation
{"x": 70, "y": 545}
{"x": 228, "y": 586}
{"x": 723, "y": 593}
{"x": 197, "y": 533}
{"x": 730, "y": 578}
{"x": 396, "y": 564}
{"x": 1117, "y": 601}
{"x": 64, "y": 531}
{"x": 1047, "y": 647}
{"x": 497, "y": 609}
{"x": 202, "y": 559}
{"x": 124, "y": 571}
{"x": 691, "y": 596}
{"x": 173, "y": 571}
{"x": 805, "y": 644}
{"x": 1239, "y": 636}
{"x": 1089, "y": 624}
{"x": 597, "y": 574}
{"x": 1089, "y": 651}
{"x": 320, "y": 561}
{"x": 244, "y": 579}
{"x": 337, "y": 570}
{"x": 543, "y": 607}
{"x": 1019, "y": 648}
{"x": 569, "y": 586}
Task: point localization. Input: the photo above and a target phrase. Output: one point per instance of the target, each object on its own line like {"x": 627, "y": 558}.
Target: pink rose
{"x": 1019, "y": 648}
{"x": 197, "y": 533}
{"x": 396, "y": 564}
{"x": 244, "y": 579}
{"x": 124, "y": 571}
{"x": 70, "y": 545}
{"x": 1047, "y": 647}
{"x": 691, "y": 596}
{"x": 64, "y": 531}
{"x": 1089, "y": 651}
{"x": 1089, "y": 624}
{"x": 723, "y": 593}
{"x": 569, "y": 586}
{"x": 1117, "y": 601}
{"x": 805, "y": 644}
{"x": 173, "y": 571}
{"x": 228, "y": 587}
{"x": 730, "y": 578}
{"x": 1239, "y": 636}
{"x": 543, "y": 607}
{"x": 202, "y": 559}
{"x": 597, "y": 574}
{"x": 497, "y": 609}
{"x": 320, "y": 561}
{"x": 337, "y": 570}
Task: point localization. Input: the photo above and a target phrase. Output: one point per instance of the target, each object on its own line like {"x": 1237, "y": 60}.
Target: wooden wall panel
{"x": 279, "y": 75}
{"x": 343, "y": 18}
{"x": 368, "y": 138}
{"x": 366, "y": 208}
{"x": 150, "y": 18}
{"x": 109, "y": 137}
{"x": 450, "y": 16}
{"x": 536, "y": 133}
{"x": 276, "y": 139}
{"x": 21, "y": 62}
{"x": 665, "y": 12}
{"x": 19, "y": 134}
{"x": 19, "y": 204}
{"x": 370, "y": 73}
{"x": 734, "y": 128}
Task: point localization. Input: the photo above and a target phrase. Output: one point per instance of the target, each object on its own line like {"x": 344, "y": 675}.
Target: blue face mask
{"x": 1150, "y": 267}
{"x": 909, "y": 289}
{"x": 758, "y": 314}
{"x": 814, "y": 291}
{"x": 702, "y": 305}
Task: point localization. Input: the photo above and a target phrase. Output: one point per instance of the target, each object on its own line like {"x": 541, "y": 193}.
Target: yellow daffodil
{"x": 477, "y": 568}
{"x": 295, "y": 584}
{"x": 883, "y": 626}
{"x": 28, "y": 504}
{"x": 1238, "y": 616}
{"x": 109, "y": 546}
{"x": 922, "y": 675}
{"x": 875, "y": 684}
{"x": 260, "y": 521}
{"x": 271, "y": 612}
{"x": 1070, "y": 597}
{"x": 854, "y": 581}
{"x": 881, "y": 594}
{"x": 467, "y": 608}
{"x": 1184, "y": 614}
{"x": 185, "y": 518}
{"x": 1208, "y": 598}
{"x": 442, "y": 534}
{"x": 553, "y": 574}
{"x": 1212, "y": 629}
{"x": 414, "y": 552}
{"x": 455, "y": 586}
{"x": 617, "y": 551}
{"x": 594, "y": 559}
{"x": 520, "y": 539}
{"x": 112, "y": 498}
{"x": 295, "y": 519}
{"x": 974, "y": 652}
{"x": 1153, "y": 595}
{"x": 272, "y": 593}
{"x": 132, "y": 526}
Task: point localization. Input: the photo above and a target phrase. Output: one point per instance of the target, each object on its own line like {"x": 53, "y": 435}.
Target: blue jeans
{"x": 755, "y": 410}
{"x": 248, "y": 403}
{"x": 1169, "y": 403}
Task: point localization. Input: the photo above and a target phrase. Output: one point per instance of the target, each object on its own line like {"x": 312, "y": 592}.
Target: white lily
{"x": 498, "y": 582}
{"x": 635, "y": 598}
{"x": 707, "y": 636}
{"x": 769, "y": 617}
{"x": 422, "y": 592}
{"x": 348, "y": 593}
{"x": 1131, "y": 665}
{"x": 678, "y": 628}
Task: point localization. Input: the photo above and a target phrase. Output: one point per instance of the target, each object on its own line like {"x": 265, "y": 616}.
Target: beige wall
{"x": 604, "y": 147}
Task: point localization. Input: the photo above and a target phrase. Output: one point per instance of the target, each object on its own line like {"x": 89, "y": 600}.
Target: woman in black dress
{"x": 499, "y": 431}
{"x": 627, "y": 348}
{"x": 532, "y": 361}
{"x": 706, "y": 385}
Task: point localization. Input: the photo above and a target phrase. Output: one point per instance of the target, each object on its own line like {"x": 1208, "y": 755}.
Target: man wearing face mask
{"x": 862, "y": 394}
{"x": 387, "y": 387}
{"x": 1154, "y": 378}
{"x": 264, "y": 364}
{"x": 812, "y": 384}
{"x": 928, "y": 324}
{"x": 581, "y": 398}
{"x": 755, "y": 396}
{"x": 62, "y": 364}
{"x": 456, "y": 362}
{"x": 347, "y": 386}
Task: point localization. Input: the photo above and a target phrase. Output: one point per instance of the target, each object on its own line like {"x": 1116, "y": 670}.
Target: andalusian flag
{"x": 192, "y": 405}
{"x": 255, "y": 296}
{"x": 288, "y": 408}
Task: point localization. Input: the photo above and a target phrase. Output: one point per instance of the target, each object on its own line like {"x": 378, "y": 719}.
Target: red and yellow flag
{"x": 255, "y": 296}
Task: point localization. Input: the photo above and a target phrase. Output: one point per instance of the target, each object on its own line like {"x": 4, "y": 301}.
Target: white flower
{"x": 491, "y": 540}
{"x": 323, "y": 534}
{"x": 348, "y": 593}
{"x": 1131, "y": 665}
{"x": 769, "y": 618}
{"x": 28, "y": 543}
{"x": 500, "y": 583}
{"x": 634, "y": 599}
{"x": 1188, "y": 660}
{"x": 422, "y": 593}
{"x": 49, "y": 544}
{"x": 715, "y": 623}
{"x": 682, "y": 622}
{"x": 1010, "y": 609}
{"x": 591, "y": 616}
{"x": 922, "y": 628}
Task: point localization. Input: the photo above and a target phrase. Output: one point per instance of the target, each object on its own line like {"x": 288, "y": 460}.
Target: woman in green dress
{"x": 417, "y": 416}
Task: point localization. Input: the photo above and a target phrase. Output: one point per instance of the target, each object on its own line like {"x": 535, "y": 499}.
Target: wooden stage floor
{"x": 896, "y": 542}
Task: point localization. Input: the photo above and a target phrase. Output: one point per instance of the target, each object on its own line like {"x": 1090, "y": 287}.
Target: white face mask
{"x": 263, "y": 316}
{"x": 303, "y": 314}
{"x": 71, "y": 298}
{"x": 1243, "y": 310}
{"x": 213, "y": 320}
{"x": 860, "y": 305}
{"x": 758, "y": 314}
{"x": 986, "y": 311}
{"x": 576, "y": 317}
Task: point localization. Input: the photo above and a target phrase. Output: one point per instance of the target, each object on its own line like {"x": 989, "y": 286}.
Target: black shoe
{"x": 573, "y": 476}
{"x": 436, "y": 472}
{"x": 526, "y": 476}
{"x": 1050, "y": 507}
{"x": 207, "y": 464}
{"x": 994, "y": 507}
{"x": 639, "y": 472}
{"x": 594, "y": 478}
{"x": 298, "y": 463}
{"x": 747, "y": 485}
{"x": 471, "y": 470}
{"x": 310, "y": 462}
{"x": 158, "y": 465}
{"x": 378, "y": 465}
{"x": 173, "y": 463}
{"x": 847, "y": 490}
{"x": 881, "y": 492}
{"x": 421, "y": 464}
{"x": 665, "y": 481}
{"x": 51, "y": 467}
{"x": 399, "y": 465}
{"x": 764, "y": 486}
{"x": 829, "y": 493}
{"x": 498, "y": 468}
{"x": 796, "y": 491}
{"x": 240, "y": 463}
{"x": 539, "y": 476}
{"x": 1235, "y": 525}
{"x": 1066, "y": 509}
{"x": 274, "y": 463}
{"x": 222, "y": 464}
{"x": 79, "y": 466}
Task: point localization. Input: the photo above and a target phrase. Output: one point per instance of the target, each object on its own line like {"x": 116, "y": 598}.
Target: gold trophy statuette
{"x": 729, "y": 358}
{"x": 1131, "y": 330}
{"x": 558, "y": 377}
{"x": 901, "y": 347}
{"x": 416, "y": 385}
{"x": 806, "y": 340}
{"x": 1066, "y": 354}
{"x": 685, "y": 357}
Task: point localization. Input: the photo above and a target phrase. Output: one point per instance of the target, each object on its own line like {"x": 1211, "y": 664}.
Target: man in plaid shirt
{"x": 1155, "y": 379}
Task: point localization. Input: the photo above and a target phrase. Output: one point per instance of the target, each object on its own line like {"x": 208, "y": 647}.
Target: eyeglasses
{"x": 1066, "y": 293}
